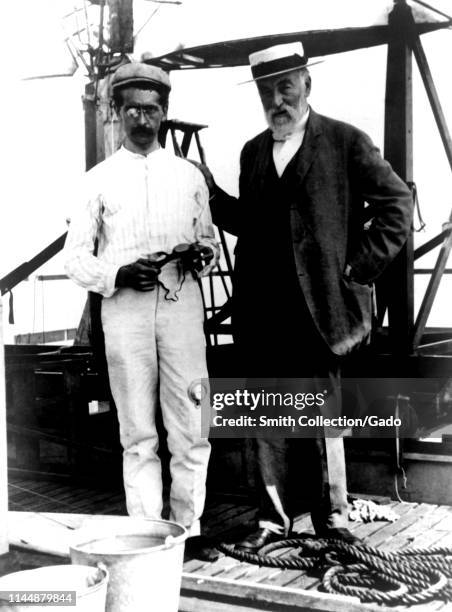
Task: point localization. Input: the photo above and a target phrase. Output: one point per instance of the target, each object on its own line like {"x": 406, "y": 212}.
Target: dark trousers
{"x": 293, "y": 348}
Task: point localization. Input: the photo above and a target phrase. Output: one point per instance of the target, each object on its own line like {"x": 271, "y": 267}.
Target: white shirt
{"x": 135, "y": 205}
{"x": 284, "y": 150}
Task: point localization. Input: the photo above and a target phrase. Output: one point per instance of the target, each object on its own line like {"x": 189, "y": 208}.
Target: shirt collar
{"x": 133, "y": 155}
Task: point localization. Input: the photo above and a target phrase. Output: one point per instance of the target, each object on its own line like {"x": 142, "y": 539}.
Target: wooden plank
{"x": 239, "y": 570}
{"x": 194, "y": 604}
{"x": 234, "y": 513}
{"x": 3, "y": 447}
{"x": 235, "y": 529}
{"x": 267, "y": 596}
{"x": 195, "y": 565}
{"x": 50, "y": 493}
{"x": 296, "y": 579}
{"x": 426, "y": 539}
{"x": 96, "y": 502}
{"x": 220, "y": 567}
{"x": 38, "y": 486}
{"x": 445, "y": 524}
{"x": 367, "y": 530}
{"x": 39, "y": 532}
{"x": 405, "y": 531}
{"x": 53, "y": 497}
{"x": 381, "y": 537}
{"x": 49, "y": 531}
{"x": 216, "y": 510}
{"x": 417, "y": 533}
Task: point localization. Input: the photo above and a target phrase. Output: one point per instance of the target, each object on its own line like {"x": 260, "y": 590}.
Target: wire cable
{"x": 432, "y": 8}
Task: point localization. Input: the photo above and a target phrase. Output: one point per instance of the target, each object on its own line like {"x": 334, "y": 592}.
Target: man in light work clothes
{"x": 137, "y": 204}
{"x": 304, "y": 268}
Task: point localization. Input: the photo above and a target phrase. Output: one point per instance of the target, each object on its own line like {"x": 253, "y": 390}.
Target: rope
{"x": 366, "y": 511}
{"x": 411, "y": 576}
{"x": 412, "y": 185}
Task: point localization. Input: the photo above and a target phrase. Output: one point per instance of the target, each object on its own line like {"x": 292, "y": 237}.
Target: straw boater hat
{"x": 278, "y": 60}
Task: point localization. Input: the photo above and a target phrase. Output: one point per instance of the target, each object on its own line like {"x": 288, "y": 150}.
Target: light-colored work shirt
{"x": 284, "y": 150}
{"x": 135, "y": 205}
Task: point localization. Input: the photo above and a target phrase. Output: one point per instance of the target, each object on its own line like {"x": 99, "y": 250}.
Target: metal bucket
{"x": 144, "y": 558}
{"x": 22, "y": 591}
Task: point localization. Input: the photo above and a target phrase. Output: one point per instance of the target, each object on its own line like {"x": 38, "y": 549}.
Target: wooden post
{"x": 94, "y": 136}
{"x": 3, "y": 447}
{"x": 121, "y": 26}
{"x": 397, "y": 284}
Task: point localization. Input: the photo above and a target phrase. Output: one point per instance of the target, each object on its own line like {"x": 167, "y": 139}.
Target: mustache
{"x": 284, "y": 110}
{"x": 141, "y": 131}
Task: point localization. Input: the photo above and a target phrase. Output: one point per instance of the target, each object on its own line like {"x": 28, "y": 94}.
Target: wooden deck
{"x": 226, "y": 584}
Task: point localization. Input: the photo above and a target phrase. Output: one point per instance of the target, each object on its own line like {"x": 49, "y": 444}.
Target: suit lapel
{"x": 263, "y": 160}
{"x": 309, "y": 146}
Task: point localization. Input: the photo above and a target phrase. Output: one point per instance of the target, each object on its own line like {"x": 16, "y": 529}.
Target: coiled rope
{"x": 411, "y": 576}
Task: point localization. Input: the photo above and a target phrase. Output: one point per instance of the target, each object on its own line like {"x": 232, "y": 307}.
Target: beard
{"x": 282, "y": 122}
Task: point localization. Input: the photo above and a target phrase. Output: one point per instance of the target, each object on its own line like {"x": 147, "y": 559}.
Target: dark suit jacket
{"x": 338, "y": 170}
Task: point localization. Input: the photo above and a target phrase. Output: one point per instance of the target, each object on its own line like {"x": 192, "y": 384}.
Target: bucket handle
{"x": 97, "y": 577}
{"x": 170, "y": 540}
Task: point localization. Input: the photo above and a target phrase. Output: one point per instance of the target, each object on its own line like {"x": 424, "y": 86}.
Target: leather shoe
{"x": 201, "y": 548}
{"x": 256, "y": 540}
{"x": 339, "y": 533}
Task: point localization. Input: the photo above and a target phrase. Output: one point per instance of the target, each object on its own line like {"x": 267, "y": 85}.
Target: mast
{"x": 397, "y": 285}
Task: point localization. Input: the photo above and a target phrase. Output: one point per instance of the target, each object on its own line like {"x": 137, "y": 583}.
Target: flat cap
{"x": 136, "y": 73}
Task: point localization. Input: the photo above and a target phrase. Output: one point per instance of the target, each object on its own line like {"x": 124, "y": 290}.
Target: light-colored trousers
{"x": 155, "y": 348}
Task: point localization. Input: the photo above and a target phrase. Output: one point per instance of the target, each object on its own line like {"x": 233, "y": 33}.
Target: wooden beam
{"x": 186, "y": 142}
{"x": 432, "y": 94}
{"x": 442, "y": 347}
{"x": 3, "y": 448}
{"x": 20, "y": 273}
{"x": 317, "y": 43}
{"x": 432, "y": 289}
{"x": 94, "y": 132}
{"x": 214, "y": 593}
{"x": 431, "y": 244}
{"x": 396, "y": 288}
{"x": 56, "y": 335}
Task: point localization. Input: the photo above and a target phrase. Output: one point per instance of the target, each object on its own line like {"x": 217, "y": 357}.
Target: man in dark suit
{"x": 304, "y": 269}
